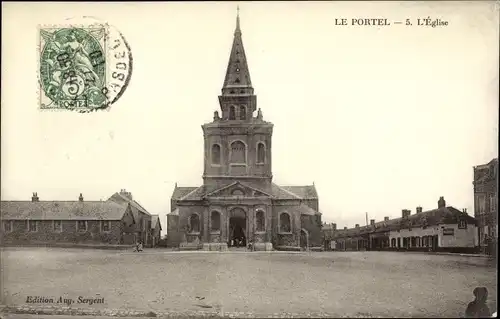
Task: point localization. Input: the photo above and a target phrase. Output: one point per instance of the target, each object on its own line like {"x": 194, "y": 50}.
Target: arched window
{"x": 261, "y": 153}
{"x": 243, "y": 112}
{"x": 238, "y": 152}
{"x": 260, "y": 222}
{"x": 237, "y": 192}
{"x": 285, "y": 223}
{"x": 232, "y": 113}
{"x": 216, "y": 154}
{"x": 194, "y": 223}
{"x": 215, "y": 221}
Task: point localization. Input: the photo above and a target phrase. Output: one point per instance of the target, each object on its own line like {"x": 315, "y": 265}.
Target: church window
{"x": 285, "y": 226}
{"x": 237, "y": 69}
{"x": 194, "y": 223}
{"x": 237, "y": 61}
{"x": 237, "y": 192}
{"x": 238, "y": 152}
{"x": 261, "y": 153}
{"x": 260, "y": 221}
{"x": 243, "y": 112}
{"x": 237, "y": 80}
{"x": 215, "y": 221}
{"x": 231, "y": 92}
{"x": 216, "y": 154}
{"x": 232, "y": 113}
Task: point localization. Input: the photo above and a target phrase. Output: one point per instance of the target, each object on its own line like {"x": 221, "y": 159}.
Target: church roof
{"x": 62, "y": 210}
{"x": 277, "y": 192}
{"x": 237, "y": 74}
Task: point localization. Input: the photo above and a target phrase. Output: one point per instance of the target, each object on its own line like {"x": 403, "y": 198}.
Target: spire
{"x": 237, "y": 20}
{"x": 237, "y": 79}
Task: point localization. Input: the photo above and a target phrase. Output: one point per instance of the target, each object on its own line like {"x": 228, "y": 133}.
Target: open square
{"x": 262, "y": 283}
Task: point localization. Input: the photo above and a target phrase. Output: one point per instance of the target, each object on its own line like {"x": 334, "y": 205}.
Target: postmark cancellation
{"x": 82, "y": 67}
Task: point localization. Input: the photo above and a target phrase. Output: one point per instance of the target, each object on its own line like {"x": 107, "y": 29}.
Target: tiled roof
{"x": 445, "y": 215}
{"x": 154, "y": 220}
{"x": 123, "y": 200}
{"x": 182, "y": 191}
{"x": 62, "y": 210}
{"x": 304, "y": 192}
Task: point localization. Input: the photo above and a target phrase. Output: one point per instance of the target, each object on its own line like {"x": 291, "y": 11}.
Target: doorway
{"x": 237, "y": 228}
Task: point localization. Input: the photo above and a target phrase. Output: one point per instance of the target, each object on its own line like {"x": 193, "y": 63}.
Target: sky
{"x": 380, "y": 119}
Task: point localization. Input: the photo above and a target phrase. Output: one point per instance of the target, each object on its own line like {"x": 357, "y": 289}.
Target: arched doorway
{"x": 304, "y": 239}
{"x": 237, "y": 228}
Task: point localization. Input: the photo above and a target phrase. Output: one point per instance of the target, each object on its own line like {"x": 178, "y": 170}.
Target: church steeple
{"x": 237, "y": 79}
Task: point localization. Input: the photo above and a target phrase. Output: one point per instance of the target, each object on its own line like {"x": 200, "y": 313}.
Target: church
{"x": 238, "y": 202}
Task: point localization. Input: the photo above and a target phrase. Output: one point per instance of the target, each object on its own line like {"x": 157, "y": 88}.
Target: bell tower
{"x": 238, "y": 142}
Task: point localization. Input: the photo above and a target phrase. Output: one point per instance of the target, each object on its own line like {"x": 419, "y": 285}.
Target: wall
{"x": 312, "y": 223}
{"x": 46, "y": 234}
{"x": 286, "y": 239}
{"x": 173, "y": 233}
{"x": 461, "y": 238}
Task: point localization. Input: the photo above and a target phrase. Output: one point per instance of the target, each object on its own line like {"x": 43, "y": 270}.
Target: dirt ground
{"x": 337, "y": 283}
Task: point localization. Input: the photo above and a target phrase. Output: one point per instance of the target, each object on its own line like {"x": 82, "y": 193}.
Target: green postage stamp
{"x": 82, "y": 68}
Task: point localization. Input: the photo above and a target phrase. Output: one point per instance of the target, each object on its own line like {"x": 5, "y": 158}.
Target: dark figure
{"x": 478, "y": 307}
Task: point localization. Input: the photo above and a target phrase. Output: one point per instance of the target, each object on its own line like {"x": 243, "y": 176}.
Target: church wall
{"x": 312, "y": 223}
{"x": 173, "y": 234}
{"x": 184, "y": 214}
{"x": 290, "y": 238}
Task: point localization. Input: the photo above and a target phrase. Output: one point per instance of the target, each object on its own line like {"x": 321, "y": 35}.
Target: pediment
{"x": 237, "y": 189}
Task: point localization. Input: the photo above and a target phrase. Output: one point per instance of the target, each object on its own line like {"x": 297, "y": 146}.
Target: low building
{"x": 486, "y": 203}
{"x": 155, "y": 230}
{"x": 441, "y": 229}
{"x": 117, "y": 221}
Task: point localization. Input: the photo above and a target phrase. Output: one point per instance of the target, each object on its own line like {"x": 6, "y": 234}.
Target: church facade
{"x": 238, "y": 202}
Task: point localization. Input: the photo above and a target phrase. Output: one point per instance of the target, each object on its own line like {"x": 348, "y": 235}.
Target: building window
{"x": 462, "y": 224}
{"x": 285, "y": 226}
{"x": 238, "y": 152}
{"x": 7, "y": 226}
{"x": 194, "y": 223}
{"x": 215, "y": 221}
{"x": 232, "y": 113}
{"x": 216, "y": 154}
{"x": 493, "y": 203}
{"x": 482, "y": 204}
{"x": 260, "y": 221}
{"x": 261, "y": 153}
{"x": 57, "y": 226}
{"x": 32, "y": 226}
{"x": 81, "y": 225}
{"x": 105, "y": 225}
{"x": 243, "y": 112}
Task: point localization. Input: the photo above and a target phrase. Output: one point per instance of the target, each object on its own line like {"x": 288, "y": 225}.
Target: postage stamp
{"x": 83, "y": 67}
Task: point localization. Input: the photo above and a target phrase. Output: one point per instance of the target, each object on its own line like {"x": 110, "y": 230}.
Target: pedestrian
{"x": 139, "y": 247}
{"x": 478, "y": 307}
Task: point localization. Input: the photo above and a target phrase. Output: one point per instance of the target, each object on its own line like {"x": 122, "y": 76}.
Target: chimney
{"x": 345, "y": 227}
{"x": 441, "y": 202}
{"x": 464, "y": 210}
{"x": 35, "y": 198}
{"x": 419, "y": 209}
{"x": 80, "y": 198}
{"x": 334, "y": 226}
{"x": 372, "y": 222}
{"x": 126, "y": 194}
{"x": 357, "y": 225}
{"x": 386, "y": 218}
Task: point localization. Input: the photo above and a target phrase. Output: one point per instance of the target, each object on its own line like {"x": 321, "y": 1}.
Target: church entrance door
{"x": 237, "y": 228}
